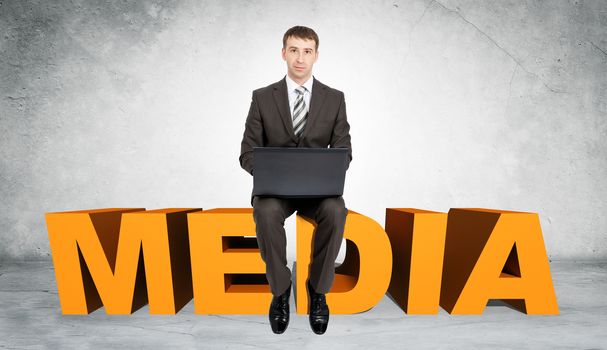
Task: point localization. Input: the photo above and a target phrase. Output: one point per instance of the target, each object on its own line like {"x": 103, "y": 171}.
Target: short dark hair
{"x": 302, "y": 33}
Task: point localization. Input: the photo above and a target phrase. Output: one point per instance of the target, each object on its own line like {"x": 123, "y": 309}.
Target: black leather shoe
{"x": 279, "y": 312}
{"x": 319, "y": 311}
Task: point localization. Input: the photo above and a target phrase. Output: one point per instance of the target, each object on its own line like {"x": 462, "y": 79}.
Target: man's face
{"x": 300, "y": 55}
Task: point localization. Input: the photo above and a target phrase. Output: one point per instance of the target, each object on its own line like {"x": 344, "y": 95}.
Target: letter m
{"x": 120, "y": 258}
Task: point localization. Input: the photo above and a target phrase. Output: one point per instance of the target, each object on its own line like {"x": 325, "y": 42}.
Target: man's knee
{"x": 267, "y": 209}
{"x": 333, "y": 209}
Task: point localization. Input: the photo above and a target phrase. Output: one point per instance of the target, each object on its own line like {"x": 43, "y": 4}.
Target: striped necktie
{"x": 300, "y": 112}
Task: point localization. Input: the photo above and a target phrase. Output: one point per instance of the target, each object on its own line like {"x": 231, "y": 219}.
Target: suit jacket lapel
{"x": 282, "y": 102}
{"x": 316, "y": 100}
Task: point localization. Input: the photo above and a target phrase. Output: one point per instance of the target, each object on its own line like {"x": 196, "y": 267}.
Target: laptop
{"x": 299, "y": 172}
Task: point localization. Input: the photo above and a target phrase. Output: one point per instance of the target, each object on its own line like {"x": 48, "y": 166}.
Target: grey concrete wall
{"x": 499, "y": 104}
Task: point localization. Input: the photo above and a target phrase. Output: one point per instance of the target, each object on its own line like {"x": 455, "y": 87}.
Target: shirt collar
{"x": 291, "y": 85}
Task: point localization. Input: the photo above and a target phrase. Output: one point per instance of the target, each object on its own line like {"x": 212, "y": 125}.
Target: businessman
{"x": 297, "y": 111}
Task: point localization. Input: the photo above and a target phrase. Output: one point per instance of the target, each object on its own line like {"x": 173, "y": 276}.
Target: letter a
{"x": 496, "y": 254}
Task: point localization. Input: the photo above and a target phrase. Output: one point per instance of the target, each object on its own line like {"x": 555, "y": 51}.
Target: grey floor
{"x": 30, "y": 318}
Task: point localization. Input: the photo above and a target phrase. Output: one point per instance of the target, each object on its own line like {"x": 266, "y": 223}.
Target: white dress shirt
{"x": 291, "y": 86}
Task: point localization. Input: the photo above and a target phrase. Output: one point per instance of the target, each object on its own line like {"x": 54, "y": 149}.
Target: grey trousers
{"x": 330, "y": 217}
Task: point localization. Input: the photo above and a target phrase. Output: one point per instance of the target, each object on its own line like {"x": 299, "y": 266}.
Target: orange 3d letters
{"x": 125, "y": 258}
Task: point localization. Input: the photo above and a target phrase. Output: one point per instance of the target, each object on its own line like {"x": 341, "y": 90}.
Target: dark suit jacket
{"x": 269, "y": 123}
